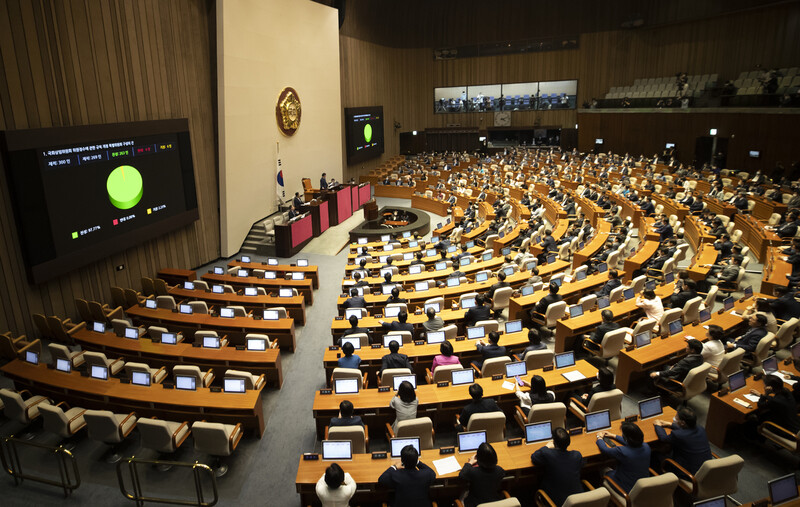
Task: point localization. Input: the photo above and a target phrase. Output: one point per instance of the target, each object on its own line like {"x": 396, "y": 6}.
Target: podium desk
{"x": 592, "y": 247}
{"x": 235, "y": 328}
{"x": 143, "y": 350}
{"x": 435, "y": 206}
{"x": 776, "y": 269}
{"x": 152, "y": 401}
{"x": 174, "y": 276}
{"x": 291, "y": 237}
{"x": 304, "y": 287}
{"x": 756, "y": 236}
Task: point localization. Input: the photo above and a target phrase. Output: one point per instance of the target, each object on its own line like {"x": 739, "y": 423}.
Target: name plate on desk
{"x": 514, "y": 441}
{"x": 376, "y": 345}
{"x": 631, "y": 418}
{"x": 338, "y": 317}
{"x": 196, "y": 344}
{"x": 310, "y": 456}
{"x": 443, "y": 383}
{"x": 576, "y": 431}
{"x": 447, "y": 450}
{"x": 124, "y": 381}
{"x": 460, "y": 338}
{"x": 168, "y": 385}
{"x": 419, "y": 342}
{"x": 379, "y": 455}
{"x": 499, "y": 376}
{"x": 240, "y": 347}
{"x": 549, "y": 367}
{"x": 215, "y": 389}
{"x": 384, "y": 389}
{"x": 325, "y": 391}
{"x": 333, "y": 347}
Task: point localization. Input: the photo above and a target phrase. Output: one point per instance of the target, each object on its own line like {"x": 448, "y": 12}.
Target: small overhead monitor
{"x": 272, "y": 261}
{"x": 250, "y": 291}
{"x": 452, "y": 248}
{"x": 99, "y": 372}
{"x": 63, "y": 365}
{"x": 575, "y": 311}
{"x": 385, "y": 238}
{"x": 298, "y": 275}
{"x": 242, "y": 273}
{"x": 355, "y": 342}
{"x": 338, "y": 450}
{"x": 430, "y": 252}
{"x": 558, "y": 281}
{"x": 350, "y": 312}
{"x": 598, "y": 421}
{"x": 245, "y": 258}
{"x": 650, "y": 407}
{"x": 470, "y": 441}
{"x": 217, "y": 289}
{"x": 389, "y": 338}
{"x": 527, "y": 290}
{"x": 388, "y": 248}
{"x": 670, "y": 145}
{"x": 770, "y": 364}
{"x": 453, "y": 281}
{"x": 603, "y": 302}
{"x": 783, "y": 490}
{"x": 211, "y": 342}
{"x": 487, "y": 256}
{"x": 169, "y": 338}
{"x": 580, "y": 275}
{"x": 754, "y": 153}
{"x": 513, "y": 326}
{"x": 650, "y": 285}
{"x": 233, "y": 385}
{"x": 669, "y": 277}
{"x": 270, "y": 275}
{"x": 285, "y": 293}
{"x": 226, "y": 312}
{"x": 219, "y": 270}
{"x": 476, "y": 333}
{"x": 151, "y": 304}
{"x": 470, "y": 244}
{"x": 628, "y": 293}
{"x": 31, "y": 357}
{"x": 675, "y": 327}
{"x": 468, "y": 303}
{"x": 736, "y": 380}
{"x": 271, "y": 315}
{"x": 642, "y": 339}
{"x": 748, "y": 291}
{"x": 188, "y": 285}
{"x": 462, "y": 377}
{"x": 392, "y": 311}
{"x": 440, "y": 266}
{"x": 362, "y": 241}
{"x": 602, "y": 267}
{"x": 464, "y": 261}
{"x": 598, "y": 141}
{"x": 516, "y": 368}
{"x": 399, "y": 379}
{"x": 99, "y": 327}
{"x": 482, "y": 276}
{"x": 398, "y": 444}
{"x": 386, "y": 288}
{"x": 421, "y": 286}
{"x": 185, "y": 309}
{"x": 435, "y": 306}
{"x": 132, "y": 333}
{"x": 728, "y": 304}
{"x": 717, "y": 501}
{"x": 408, "y": 256}
{"x": 413, "y": 244}
{"x": 259, "y": 344}
{"x": 346, "y": 385}
{"x": 565, "y": 360}
{"x": 435, "y": 336}
{"x": 508, "y": 271}
{"x": 551, "y": 258}
{"x": 538, "y": 432}
{"x": 704, "y": 315}
{"x": 140, "y": 378}
{"x": 186, "y": 382}
{"x": 302, "y": 263}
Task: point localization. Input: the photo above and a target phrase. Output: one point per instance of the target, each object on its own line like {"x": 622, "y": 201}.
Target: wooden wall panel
{"x": 402, "y": 80}
{"x": 76, "y": 62}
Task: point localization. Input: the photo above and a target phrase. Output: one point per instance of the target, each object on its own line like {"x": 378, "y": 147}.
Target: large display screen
{"x": 364, "y": 132}
{"x": 83, "y": 193}
{"x": 537, "y": 95}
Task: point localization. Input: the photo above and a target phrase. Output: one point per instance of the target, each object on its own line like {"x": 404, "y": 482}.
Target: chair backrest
{"x": 730, "y": 364}
{"x": 607, "y": 400}
{"x": 505, "y": 502}
{"x": 189, "y": 370}
{"x": 96, "y": 358}
{"x": 643, "y": 325}
{"x": 200, "y": 284}
{"x": 691, "y": 310}
{"x": 695, "y": 381}
{"x": 41, "y": 325}
{"x": 166, "y": 302}
{"x": 443, "y": 373}
{"x": 199, "y": 307}
{"x": 711, "y": 296}
{"x": 54, "y": 419}
{"x": 654, "y": 491}
{"x": 536, "y": 359}
{"x": 421, "y": 427}
{"x": 388, "y": 375}
{"x": 435, "y": 300}
{"x": 406, "y": 336}
{"x": 403, "y": 306}
{"x": 637, "y": 284}
{"x": 14, "y": 407}
{"x": 762, "y": 349}
{"x": 156, "y": 434}
{"x": 555, "y": 412}
{"x": 502, "y": 297}
{"x": 494, "y": 365}
{"x": 58, "y": 331}
{"x": 616, "y": 293}
{"x": 339, "y": 373}
{"x": 450, "y": 331}
{"x": 595, "y": 498}
{"x": 103, "y": 426}
{"x": 118, "y": 296}
{"x": 554, "y": 312}
{"x": 354, "y": 434}
{"x": 58, "y": 351}
{"x": 238, "y": 311}
{"x": 155, "y": 332}
{"x": 613, "y": 342}
{"x": 717, "y": 477}
{"x": 494, "y": 423}
{"x": 785, "y": 333}
{"x": 669, "y": 316}
{"x": 363, "y": 337}
{"x": 588, "y": 302}
{"x": 488, "y": 325}
{"x": 211, "y": 438}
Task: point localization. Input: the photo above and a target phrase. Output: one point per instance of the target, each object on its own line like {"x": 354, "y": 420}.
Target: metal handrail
{"x": 67, "y": 464}
{"x": 136, "y": 495}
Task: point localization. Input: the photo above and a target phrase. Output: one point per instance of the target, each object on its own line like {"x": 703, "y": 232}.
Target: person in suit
{"x": 483, "y": 476}
{"x": 350, "y": 360}
{"x": 501, "y": 282}
{"x": 346, "y": 417}
{"x": 777, "y": 405}
{"x": 679, "y": 370}
{"x": 657, "y": 263}
{"x": 688, "y": 441}
{"x": 605, "y": 327}
{"x": 647, "y": 207}
{"x": 729, "y": 272}
{"x": 664, "y": 230}
{"x": 534, "y": 343}
{"x": 354, "y": 301}
{"x": 789, "y": 229}
{"x": 418, "y": 260}
{"x": 357, "y": 277}
{"x": 297, "y": 201}
{"x": 395, "y": 297}
{"x": 758, "y": 330}
{"x": 478, "y": 405}
{"x": 724, "y": 246}
{"x": 335, "y": 487}
{"x": 688, "y": 200}
{"x": 612, "y": 283}
{"x": 740, "y": 201}
{"x": 561, "y": 468}
{"x": 400, "y": 324}
{"x": 548, "y": 244}
{"x": 689, "y": 292}
{"x": 633, "y": 456}
{"x": 293, "y": 212}
{"x": 717, "y": 229}
{"x": 477, "y": 313}
{"x": 434, "y": 322}
{"x": 605, "y": 382}
{"x": 545, "y": 302}
{"x": 410, "y": 478}
{"x": 785, "y": 306}
{"x": 394, "y": 359}
{"x": 323, "y": 183}
{"x": 354, "y": 329}
{"x": 490, "y": 349}
{"x": 697, "y": 206}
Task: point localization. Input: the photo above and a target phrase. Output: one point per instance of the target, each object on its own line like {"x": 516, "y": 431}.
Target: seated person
{"x": 761, "y": 305}
{"x": 777, "y": 405}
{"x": 417, "y": 259}
{"x": 538, "y": 393}
{"x": 689, "y": 292}
{"x": 346, "y": 417}
{"x": 749, "y": 340}
{"x": 561, "y": 474}
{"x": 478, "y": 405}
{"x": 434, "y": 322}
{"x": 400, "y": 324}
{"x": 605, "y": 382}
{"x": 786, "y": 305}
{"x": 714, "y": 346}
{"x": 789, "y": 228}
{"x": 354, "y": 301}
{"x": 477, "y": 313}
{"x": 652, "y": 306}
{"x": 394, "y": 359}
{"x": 729, "y": 271}
{"x": 405, "y": 403}
{"x": 689, "y": 443}
{"x": 483, "y": 476}
{"x": 544, "y": 303}
{"x": 606, "y": 326}
{"x": 612, "y": 283}
{"x": 445, "y": 356}
{"x": 724, "y": 246}
{"x": 349, "y": 360}
{"x": 395, "y": 297}
{"x": 534, "y": 343}
{"x": 633, "y": 456}
{"x": 489, "y": 350}
{"x": 354, "y": 329}
{"x": 359, "y": 282}
{"x": 679, "y": 370}
{"x": 335, "y": 487}
{"x": 655, "y": 264}
{"x": 410, "y": 479}
{"x": 501, "y": 282}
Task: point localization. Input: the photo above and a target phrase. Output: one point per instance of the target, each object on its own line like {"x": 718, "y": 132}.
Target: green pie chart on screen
{"x": 124, "y": 187}
{"x": 368, "y": 132}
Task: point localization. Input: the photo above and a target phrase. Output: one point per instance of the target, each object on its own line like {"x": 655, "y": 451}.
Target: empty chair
{"x": 164, "y": 437}
{"x": 607, "y": 400}
{"x": 651, "y": 491}
{"x": 156, "y": 374}
{"x": 691, "y": 310}
{"x": 358, "y": 435}
{"x": 61, "y": 423}
{"x": 119, "y": 325}
{"x": 103, "y": 313}
{"x": 641, "y": 327}
{"x": 443, "y": 373}
{"x": 118, "y": 297}
{"x": 62, "y": 331}
{"x": 716, "y": 477}
{"x": 637, "y": 284}
{"x": 450, "y": 331}
{"x": 494, "y": 423}
{"x": 591, "y": 498}
{"x": 155, "y": 333}
{"x": 588, "y": 302}
{"x": 616, "y": 294}
{"x": 100, "y": 359}
{"x": 488, "y": 325}
{"x": 271, "y": 344}
{"x": 421, "y": 427}
{"x": 40, "y": 321}
{"x": 493, "y": 366}
{"x": 340, "y": 373}
{"x": 692, "y": 385}
{"x": 218, "y": 440}
{"x": 405, "y": 336}
{"x": 613, "y": 342}
{"x": 110, "y": 428}
{"x": 555, "y": 412}
{"x": 132, "y": 298}
{"x": 536, "y": 359}
{"x": 238, "y": 311}
{"x": 202, "y": 378}
{"x": 199, "y": 307}
{"x": 58, "y": 351}
{"x": 83, "y": 310}
{"x": 200, "y": 285}
{"x": 199, "y": 336}
{"x": 501, "y": 299}
{"x": 20, "y": 409}
{"x": 161, "y": 287}
{"x": 166, "y": 302}
{"x": 12, "y": 348}
{"x": 386, "y": 378}
{"x": 731, "y": 363}
{"x": 437, "y": 300}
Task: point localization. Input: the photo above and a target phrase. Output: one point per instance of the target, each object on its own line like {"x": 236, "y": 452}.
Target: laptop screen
{"x": 487, "y": 256}
{"x": 151, "y": 304}
{"x": 387, "y": 288}
{"x": 453, "y": 281}
{"x": 435, "y": 336}
{"x": 185, "y": 309}
{"x": 99, "y": 372}
{"x": 516, "y": 368}
{"x": 242, "y": 273}
{"x": 748, "y": 291}
{"x": 99, "y": 327}
{"x": 770, "y": 364}
{"x": 211, "y": 342}
{"x": 704, "y": 315}
{"x": 482, "y": 276}
{"x": 389, "y": 338}
{"x": 132, "y": 333}
{"x": 596, "y": 421}
{"x": 461, "y": 377}
{"x": 551, "y": 259}
{"x": 470, "y": 244}
{"x": 628, "y": 293}
{"x": 245, "y": 258}
{"x": 392, "y": 311}
{"x": 285, "y": 293}
{"x": 398, "y": 444}
{"x": 650, "y": 285}
{"x": 464, "y": 261}
{"x": 399, "y": 379}
{"x": 298, "y": 276}
{"x": 226, "y": 312}
{"x": 218, "y": 270}
{"x": 602, "y": 267}
{"x": 565, "y": 360}
{"x": 185, "y": 382}
{"x": 408, "y": 256}
{"x": 675, "y": 327}
{"x": 233, "y": 385}
{"x": 728, "y": 303}
{"x": 63, "y": 365}
{"x": 169, "y": 338}
{"x": 350, "y": 312}
{"x": 509, "y": 271}
{"x": 250, "y": 291}
{"x": 140, "y": 378}
{"x": 505, "y": 251}
{"x": 513, "y": 326}
{"x": 575, "y": 311}
{"x": 669, "y": 277}
{"x": 736, "y": 380}
{"x": 470, "y": 441}
{"x": 796, "y": 351}
{"x": 337, "y": 449}
{"x": 217, "y": 289}
{"x": 538, "y": 432}
{"x": 430, "y": 252}
{"x": 362, "y": 241}
{"x": 527, "y": 290}
{"x": 421, "y": 286}
{"x": 580, "y": 275}
{"x": 650, "y": 407}
{"x": 558, "y": 281}
{"x": 302, "y": 263}
{"x": 384, "y": 271}
{"x": 440, "y": 266}
{"x": 435, "y": 307}
{"x": 188, "y": 285}
{"x": 474, "y": 333}
{"x": 412, "y": 244}
{"x": 256, "y": 344}
{"x": 603, "y": 302}
{"x": 385, "y": 238}
{"x": 270, "y": 275}
{"x": 718, "y": 501}
{"x": 783, "y": 489}
{"x": 31, "y": 357}
{"x": 415, "y": 269}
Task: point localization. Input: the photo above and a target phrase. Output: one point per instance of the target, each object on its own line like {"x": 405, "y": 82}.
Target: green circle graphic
{"x": 368, "y": 132}
{"x": 124, "y": 186}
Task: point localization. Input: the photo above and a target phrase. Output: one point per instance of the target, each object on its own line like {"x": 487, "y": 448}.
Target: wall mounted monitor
{"x": 363, "y": 133}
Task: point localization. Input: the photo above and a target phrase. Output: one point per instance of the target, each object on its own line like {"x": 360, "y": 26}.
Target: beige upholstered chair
{"x": 358, "y": 435}
{"x": 554, "y": 312}
{"x": 754, "y": 359}
{"x": 716, "y": 477}
{"x": 494, "y": 423}
{"x": 650, "y": 491}
{"x": 155, "y": 333}
{"x": 344, "y": 373}
{"x": 164, "y": 437}
{"x": 202, "y": 378}
{"x": 691, "y": 310}
{"x": 271, "y": 344}
{"x": 608, "y": 400}
{"x": 613, "y": 342}
{"x": 61, "y": 423}
{"x": 501, "y": 298}
{"x": 200, "y": 307}
{"x": 508, "y": 501}
{"x": 166, "y": 302}
{"x": 20, "y": 409}
{"x": 386, "y": 378}
{"x": 731, "y": 363}
{"x": 156, "y": 374}
{"x": 218, "y": 440}
{"x": 488, "y": 325}
{"x": 590, "y": 498}
{"x": 58, "y": 351}
{"x": 251, "y": 380}
{"x": 100, "y": 359}
{"x": 421, "y": 427}
{"x": 12, "y": 348}
{"x": 555, "y": 412}
{"x": 692, "y": 385}
{"x": 537, "y": 359}
{"x": 493, "y": 366}
{"x": 199, "y": 335}
{"x": 110, "y": 428}
{"x": 443, "y": 373}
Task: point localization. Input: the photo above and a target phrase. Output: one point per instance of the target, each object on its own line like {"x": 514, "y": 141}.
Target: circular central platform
{"x": 394, "y": 220}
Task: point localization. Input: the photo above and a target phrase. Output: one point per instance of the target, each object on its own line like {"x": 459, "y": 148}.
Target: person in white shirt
{"x": 714, "y": 347}
{"x": 335, "y": 488}
{"x": 652, "y": 306}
